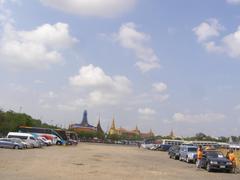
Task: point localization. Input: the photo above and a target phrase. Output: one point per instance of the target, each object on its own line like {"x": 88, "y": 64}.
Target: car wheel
{"x": 59, "y": 143}
{"x": 208, "y": 167}
{"x": 16, "y": 147}
{"x": 175, "y": 157}
{"x": 229, "y": 171}
{"x": 187, "y": 159}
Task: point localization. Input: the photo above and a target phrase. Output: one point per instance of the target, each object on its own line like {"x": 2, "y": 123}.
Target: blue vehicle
{"x": 215, "y": 160}
{"x": 164, "y": 147}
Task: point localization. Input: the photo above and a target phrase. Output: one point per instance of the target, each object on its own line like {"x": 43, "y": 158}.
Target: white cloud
{"x": 209, "y": 28}
{"x": 37, "y": 81}
{"x": 237, "y": 107}
{"x": 212, "y": 47}
{"x": 102, "y": 88}
{"x": 64, "y": 107}
{"x": 229, "y": 44}
{"x": 98, "y": 8}
{"x": 38, "y": 48}
{"x": 90, "y": 76}
{"x": 234, "y": 2}
{"x": 198, "y": 118}
{"x": 146, "y": 111}
{"x": 130, "y": 38}
{"x": 18, "y": 88}
{"x": 52, "y": 94}
{"x": 159, "y": 87}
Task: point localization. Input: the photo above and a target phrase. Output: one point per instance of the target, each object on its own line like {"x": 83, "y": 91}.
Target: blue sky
{"x": 156, "y": 64}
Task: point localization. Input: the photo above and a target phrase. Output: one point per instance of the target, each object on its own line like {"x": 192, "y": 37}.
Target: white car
{"x": 46, "y": 141}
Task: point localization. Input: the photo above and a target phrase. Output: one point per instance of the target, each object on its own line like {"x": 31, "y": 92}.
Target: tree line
{"x": 10, "y": 121}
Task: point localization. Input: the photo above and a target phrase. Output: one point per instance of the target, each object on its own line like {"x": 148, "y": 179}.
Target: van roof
{"x": 188, "y": 146}
{"x": 19, "y": 134}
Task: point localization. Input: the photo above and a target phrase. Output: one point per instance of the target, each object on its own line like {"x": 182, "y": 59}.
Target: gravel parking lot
{"x": 98, "y": 161}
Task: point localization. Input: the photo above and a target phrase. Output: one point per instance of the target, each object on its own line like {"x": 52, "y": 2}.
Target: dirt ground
{"x": 100, "y": 162}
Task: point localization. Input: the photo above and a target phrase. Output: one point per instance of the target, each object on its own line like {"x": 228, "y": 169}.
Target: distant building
{"x": 171, "y": 135}
{"x": 128, "y": 133}
{"x": 84, "y": 126}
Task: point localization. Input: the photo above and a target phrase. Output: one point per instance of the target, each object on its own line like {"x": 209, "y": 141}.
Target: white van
{"x": 29, "y": 138}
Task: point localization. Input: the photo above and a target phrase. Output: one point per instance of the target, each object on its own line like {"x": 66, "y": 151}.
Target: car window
{"x": 215, "y": 154}
{"x": 192, "y": 149}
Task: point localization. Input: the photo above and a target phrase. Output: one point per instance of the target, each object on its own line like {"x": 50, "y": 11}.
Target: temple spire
{"x": 99, "y": 128}
{"x": 113, "y": 124}
{"x": 85, "y": 119}
{"x": 136, "y": 128}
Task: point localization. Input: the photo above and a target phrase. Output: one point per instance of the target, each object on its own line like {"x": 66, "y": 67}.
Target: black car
{"x": 215, "y": 160}
{"x": 163, "y": 147}
{"x": 173, "y": 152}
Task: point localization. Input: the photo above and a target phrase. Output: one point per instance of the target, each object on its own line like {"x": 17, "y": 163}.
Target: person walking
{"x": 228, "y": 152}
{"x": 199, "y": 156}
{"x": 139, "y": 144}
{"x": 232, "y": 158}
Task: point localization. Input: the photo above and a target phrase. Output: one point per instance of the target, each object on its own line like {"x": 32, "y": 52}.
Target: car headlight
{"x": 229, "y": 163}
{"x": 191, "y": 155}
{"x": 213, "y": 162}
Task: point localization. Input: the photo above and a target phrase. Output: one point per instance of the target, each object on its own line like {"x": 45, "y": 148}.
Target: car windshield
{"x": 215, "y": 154}
{"x": 193, "y": 149}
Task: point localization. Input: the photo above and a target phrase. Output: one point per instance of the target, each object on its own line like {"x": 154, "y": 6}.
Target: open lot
{"x": 98, "y": 161}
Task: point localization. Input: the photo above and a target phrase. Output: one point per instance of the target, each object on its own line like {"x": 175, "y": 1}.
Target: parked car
{"x": 155, "y": 147}
{"x": 164, "y": 147}
{"x": 188, "y": 153}
{"x": 29, "y": 138}
{"x": 45, "y": 141}
{"x": 18, "y": 140}
{"x": 72, "y": 142}
{"x": 147, "y": 146}
{"x": 173, "y": 152}
{"x": 215, "y": 160}
{"x": 7, "y": 143}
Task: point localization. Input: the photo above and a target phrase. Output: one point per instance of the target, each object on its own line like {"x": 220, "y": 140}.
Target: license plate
{"x": 222, "y": 166}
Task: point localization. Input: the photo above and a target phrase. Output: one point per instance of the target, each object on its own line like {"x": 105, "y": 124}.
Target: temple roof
{"x": 84, "y": 123}
{"x": 99, "y": 128}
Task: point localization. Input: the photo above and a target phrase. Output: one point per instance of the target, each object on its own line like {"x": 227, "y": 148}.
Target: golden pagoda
{"x": 113, "y": 129}
{"x": 129, "y": 133}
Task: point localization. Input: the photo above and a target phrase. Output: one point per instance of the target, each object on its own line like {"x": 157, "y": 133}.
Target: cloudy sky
{"x": 160, "y": 64}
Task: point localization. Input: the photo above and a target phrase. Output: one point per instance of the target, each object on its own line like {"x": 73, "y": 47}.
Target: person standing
{"x": 232, "y": 158}
{"x": 199, "y": 156}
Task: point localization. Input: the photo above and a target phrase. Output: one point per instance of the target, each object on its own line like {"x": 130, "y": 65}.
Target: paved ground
{"x": 98, "y": 161}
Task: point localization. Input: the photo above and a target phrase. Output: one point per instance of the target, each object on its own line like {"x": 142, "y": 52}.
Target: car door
{"x": 5, "y": 143}
{"x": 9, "y": 143}
{"x": 2, "y": 144}
{"x": 204, "y": 159}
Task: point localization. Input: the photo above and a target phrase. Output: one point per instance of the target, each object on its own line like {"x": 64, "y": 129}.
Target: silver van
{"x": 188, "y": 153}
{"x": 29, "y": 138}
